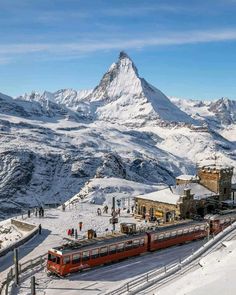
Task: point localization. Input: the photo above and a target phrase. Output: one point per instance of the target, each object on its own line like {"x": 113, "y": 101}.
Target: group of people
{"x": 38, "y": 211}
{"x": 105, "y": 210}
{"x": 73, "y": 232}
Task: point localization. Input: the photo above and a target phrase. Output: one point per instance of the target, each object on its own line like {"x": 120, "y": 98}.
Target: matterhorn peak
{"x": 122, "y": 95}
{"x": 123, "y": 55}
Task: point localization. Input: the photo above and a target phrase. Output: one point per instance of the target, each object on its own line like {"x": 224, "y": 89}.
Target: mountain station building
{"x": 192, "y": 195}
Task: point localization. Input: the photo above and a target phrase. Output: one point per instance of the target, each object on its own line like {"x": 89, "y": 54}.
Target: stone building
{"x": 217, "y": 179}
{"x": 181, "y": 201}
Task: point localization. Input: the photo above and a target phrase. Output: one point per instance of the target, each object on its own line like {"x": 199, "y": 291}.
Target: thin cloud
{"x": 93, "y": 45}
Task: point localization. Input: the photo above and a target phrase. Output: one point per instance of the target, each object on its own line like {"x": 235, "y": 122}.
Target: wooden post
{"x": 16, "y": 262}
{"x": 114, "y": 205}
{"x": 32, "y": 283}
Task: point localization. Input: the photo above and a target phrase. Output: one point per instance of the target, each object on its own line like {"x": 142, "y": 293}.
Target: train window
{"x": 142, "y": 242}
{"x": 185, "y": 230}
{"x": 136, "y": 243}
{"x": 103, "y": 251}
{"x": 76, "y": 258}
{"x": 54, "y": 258}
{"x": 120, "y": 247}
{"x": 160, "y": 237}
{"x": 128, "y": 245}
{"x": 66, "y": 260}
{"x": 191, "y": 229}
{"x": 180, "y": 232}
{"x": 94, "y": 253}
{"x": 85, "y": 256}
{"x": 197, "y": 228}
{"x": 112, "y": 249}
{"x": 202, "y": 227}
{"x": 167, "y": 235}
{"x": 173, "y": 233}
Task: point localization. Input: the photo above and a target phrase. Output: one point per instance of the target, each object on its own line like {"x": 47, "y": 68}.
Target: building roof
{"x": 199, "y": 191}
{"x": 187, "y": 177}
{"x": 172, "y": 194}
{"x": 216, "y": 166}
{"x": 165, "y": 195}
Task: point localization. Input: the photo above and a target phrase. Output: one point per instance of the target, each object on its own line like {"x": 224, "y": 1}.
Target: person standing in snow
{"x": 40, "y": 229}
{"x": 80, "y": 225}
{"x": 99, "y": 212}
{"x": 76, "y": 234}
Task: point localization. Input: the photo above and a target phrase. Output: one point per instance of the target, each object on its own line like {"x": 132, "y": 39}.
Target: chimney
{"x": 187, "y": 192}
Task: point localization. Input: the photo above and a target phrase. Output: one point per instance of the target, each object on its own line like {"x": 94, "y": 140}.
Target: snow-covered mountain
{"x": 123, "y": 96}
{"x": 215, "y": 113}
{"x": 52, "y": 144}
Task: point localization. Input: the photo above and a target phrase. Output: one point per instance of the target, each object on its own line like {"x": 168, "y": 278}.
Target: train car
{"x": 219, "y": 222}
{"x": 86, "y": 254}
{"x": 176, "y": 234}
{"x": 79, "y": 255}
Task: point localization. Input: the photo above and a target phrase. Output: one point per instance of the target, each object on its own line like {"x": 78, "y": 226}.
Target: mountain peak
{"x": 123, "y": 55}
{"x": 122, "y": 95}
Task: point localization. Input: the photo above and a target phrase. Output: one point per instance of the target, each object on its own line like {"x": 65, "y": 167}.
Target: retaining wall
{"x": 32, "y": 231}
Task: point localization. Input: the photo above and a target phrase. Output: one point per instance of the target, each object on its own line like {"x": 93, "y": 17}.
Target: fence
{"x": 23, "y": 268}
{"x": 150, "y": 278}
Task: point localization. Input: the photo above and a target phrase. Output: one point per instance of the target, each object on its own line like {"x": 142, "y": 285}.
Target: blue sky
{"x": 186, "y": 48}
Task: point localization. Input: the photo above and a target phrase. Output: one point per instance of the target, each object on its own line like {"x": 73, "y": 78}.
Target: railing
{"x": 23, "y": 268}
{"x": 150, "y": 278}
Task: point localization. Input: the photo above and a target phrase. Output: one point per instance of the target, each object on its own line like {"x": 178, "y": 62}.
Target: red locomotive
{"x": 89, "y": 253}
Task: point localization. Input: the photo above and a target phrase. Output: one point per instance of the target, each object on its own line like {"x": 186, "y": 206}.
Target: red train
{"x": 80, "y": 255}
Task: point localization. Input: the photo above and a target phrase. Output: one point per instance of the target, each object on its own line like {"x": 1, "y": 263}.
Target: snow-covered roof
{"x": 187, "y": 177}
{"x": 171, "y": 195}
{"x": 198, "y": 190}
{"x": 217, "y": 167}
{"x": 164, "y": 196}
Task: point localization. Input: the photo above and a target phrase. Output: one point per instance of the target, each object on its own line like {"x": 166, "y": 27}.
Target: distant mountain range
{"x": 53, "y": 143}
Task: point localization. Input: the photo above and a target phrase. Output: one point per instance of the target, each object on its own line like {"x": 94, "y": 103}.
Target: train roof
{"x": 177, "y": 226}
{"x": 75, "y": 246}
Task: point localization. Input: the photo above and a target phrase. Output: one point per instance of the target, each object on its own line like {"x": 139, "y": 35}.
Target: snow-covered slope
{"x": 214, "y": 113}
{"x": 52, "y": 144}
